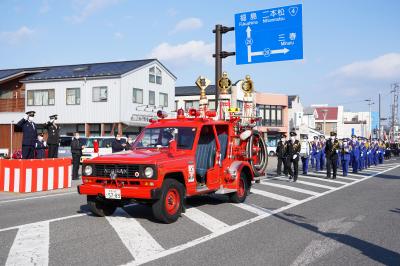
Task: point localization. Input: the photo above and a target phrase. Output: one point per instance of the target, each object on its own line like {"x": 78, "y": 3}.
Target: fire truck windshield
{"x": 160, "y": 137}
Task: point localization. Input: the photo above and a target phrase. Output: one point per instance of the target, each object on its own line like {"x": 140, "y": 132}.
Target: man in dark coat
{"x": 29, "y": 135}
{"x": 53, "y": 139}
{"x": 76, "y": 151}
{"x": 118, "y": 144}
{"x": 331, "y": 151}
{"x": 292, "y": 156}
{"x": 280, "y": 153}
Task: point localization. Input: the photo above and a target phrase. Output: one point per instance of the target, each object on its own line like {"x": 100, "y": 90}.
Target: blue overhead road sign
{"x": 269, "y": 35}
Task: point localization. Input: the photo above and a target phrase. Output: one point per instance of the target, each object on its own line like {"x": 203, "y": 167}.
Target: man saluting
{"x": 53, "y": 131}
{"x": 29, "y": 135}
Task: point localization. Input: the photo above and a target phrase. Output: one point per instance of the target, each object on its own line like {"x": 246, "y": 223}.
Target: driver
{"x": 166, "y": 137}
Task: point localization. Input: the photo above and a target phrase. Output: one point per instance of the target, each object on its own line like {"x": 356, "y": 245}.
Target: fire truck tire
{"x": 169, "y": 207}
{"x": 261, "y": 165}
{"x": 99, "y": 207}
{"x": 240, "y": 195}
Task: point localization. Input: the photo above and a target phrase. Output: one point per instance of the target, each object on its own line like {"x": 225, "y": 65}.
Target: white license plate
{"x": 112, "y": 193}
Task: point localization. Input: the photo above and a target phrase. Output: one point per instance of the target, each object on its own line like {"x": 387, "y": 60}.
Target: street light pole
{"x": 11, "y": 139}
{"x": 370, "y": 102}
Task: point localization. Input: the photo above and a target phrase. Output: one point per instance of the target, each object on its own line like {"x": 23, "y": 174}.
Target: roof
{"x": 332, "y": 113}
{"x": 91, "y": 70}
{"x": 193, "y": 90}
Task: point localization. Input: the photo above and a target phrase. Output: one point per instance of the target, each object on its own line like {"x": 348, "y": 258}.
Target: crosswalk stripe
{"x": 308, "y": 183}
{"x": 304, "y": 191}
{"x": 358, "y": 175}
{"x": 348, "y": 178}
{"x": 31, "y": 245}
{"x": 133, "y": 235}
{"x": 250, "y": 208}
{"x": 322, "y": 179}
{"x": 205, "y": 220}
{"x": 272, "y": 195}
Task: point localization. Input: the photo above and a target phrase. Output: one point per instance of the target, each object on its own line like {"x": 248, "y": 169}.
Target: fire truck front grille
{"x": 120, "y": 170}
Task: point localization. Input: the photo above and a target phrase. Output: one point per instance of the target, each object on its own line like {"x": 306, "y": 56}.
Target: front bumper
{"x": 127, "y": 192}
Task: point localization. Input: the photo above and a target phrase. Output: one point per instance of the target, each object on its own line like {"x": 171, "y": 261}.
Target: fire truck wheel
{"x": 240, "y": 195}
{"x": 100, "y": 208}
{"x": 169, "y": 207}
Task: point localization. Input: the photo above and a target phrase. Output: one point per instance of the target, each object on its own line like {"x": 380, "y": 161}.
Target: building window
{"x": 41, "y": 97}
{"x": 191, "y": 104}
{"x": 155, "y": 75}
{"x": 152, "y": 98}
{"x": 176, "y": 105}
{"x": 100, "y": 94}
{"x": 73, "y": 96}
{"x": 163, "y": 99}
{"x": 137, "y": 96}
{"x": 271, "y": 115}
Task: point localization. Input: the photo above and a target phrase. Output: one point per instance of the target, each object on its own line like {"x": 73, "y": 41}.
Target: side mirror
{"x": 172, "y": 146}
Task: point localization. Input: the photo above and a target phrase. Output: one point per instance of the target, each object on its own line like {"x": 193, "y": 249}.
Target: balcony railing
{"x": 12, "y": 105}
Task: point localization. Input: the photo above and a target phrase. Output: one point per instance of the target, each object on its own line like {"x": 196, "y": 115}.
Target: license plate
{"x": 112, "y": 193}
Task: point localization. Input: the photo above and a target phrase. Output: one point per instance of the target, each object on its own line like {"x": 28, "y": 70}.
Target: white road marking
{"x": 137, "y": 240}
{"x": 31, "y": 245}
{"x": 207, "y": 221}
{"x": 322, "y": 179}
{"x": 348, "y": 178}
{"x": 308, "y": 183}
{"x": 252, "y": 208}
{"x": 272, "y": 195}
{"x": 206, "y": 238}
{"x": 304, "y": 191}
{"x": 38, "y": 197}
{"x": 28, "y": 180}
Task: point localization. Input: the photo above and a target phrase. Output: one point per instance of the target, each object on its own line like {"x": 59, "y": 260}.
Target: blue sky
{"x": 351, "y": 48}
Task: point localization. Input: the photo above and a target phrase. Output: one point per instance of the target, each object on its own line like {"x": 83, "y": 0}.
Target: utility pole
{"x": 370, "y": 102}
{"x": 219, "y": 55}
{"x": 379, "y": 121}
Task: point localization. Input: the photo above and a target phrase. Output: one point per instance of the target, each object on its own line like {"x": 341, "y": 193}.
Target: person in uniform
{"x": 29, "y": 135}
{"x": 323, "y": 154}
{"x": 345, "y": 151}
{"x": 381, "y": 152}
{"x": 331, "y": 151}
{"x": 118, "y": 144}
{"x": 305, "y": 153}
{"x": 76, "y": 151}
{"x": 355, "y": 155}
{"x": 53, "y": 136}
{"x": 292, "y": 156}
{"x": 362, "y": 154}
{"x": 40, "y": 147}
{"x": 280, "y": 153}
{"x": 317, "y": 153}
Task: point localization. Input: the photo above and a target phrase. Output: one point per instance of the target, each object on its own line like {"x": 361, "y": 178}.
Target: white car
{"x": 104, "y": 147}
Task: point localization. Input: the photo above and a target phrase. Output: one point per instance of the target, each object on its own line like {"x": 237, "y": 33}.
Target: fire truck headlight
{"x": 88, "y": 170}
{"x": 148, "y": 172}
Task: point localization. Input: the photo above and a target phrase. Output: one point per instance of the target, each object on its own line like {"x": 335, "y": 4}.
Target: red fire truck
{"x": 175, "y": 158}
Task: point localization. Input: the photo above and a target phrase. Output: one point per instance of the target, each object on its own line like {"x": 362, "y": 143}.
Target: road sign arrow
{"x": 248, "y": 31}
{"x": 280, "y": 51}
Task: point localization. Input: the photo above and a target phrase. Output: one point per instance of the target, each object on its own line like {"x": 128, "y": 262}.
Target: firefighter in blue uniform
{"x": 381, "y": 152}
{"x": 29, "y": 135}
{"x": 313, "y": 152}
{"x": 323, "y": 153}
{"x": 368, "y": 157}
{"x": 355, "y": 153}
{"x": 40, "y": 147}
{"x": 345, "y": 151}
{"x": 317, "y": 154}
{"x": 375, "y": 152}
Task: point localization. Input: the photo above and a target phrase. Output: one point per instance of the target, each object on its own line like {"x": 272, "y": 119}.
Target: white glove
{"x": 294, "y": 156}
{"x": 44, "y": 143}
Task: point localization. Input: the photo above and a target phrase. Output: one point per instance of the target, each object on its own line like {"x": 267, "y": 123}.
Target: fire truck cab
{"x": 176, "y": 158}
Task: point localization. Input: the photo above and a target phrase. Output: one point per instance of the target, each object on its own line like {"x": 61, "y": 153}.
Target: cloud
{"x": 187, "y": 24}
{"x": 15, "y": 37}
{"x": 384, "y": 67}
{"x": 185, "y": 53}
{"x": 118, "y": 35}
{"x": 172, "y": 12}
{"x": 87, "y": 8}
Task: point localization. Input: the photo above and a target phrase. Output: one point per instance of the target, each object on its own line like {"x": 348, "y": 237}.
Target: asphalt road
{"x": 348, "y": 221}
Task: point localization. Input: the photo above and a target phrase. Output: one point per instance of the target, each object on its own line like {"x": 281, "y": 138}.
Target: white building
{"x": 94, "y": 99}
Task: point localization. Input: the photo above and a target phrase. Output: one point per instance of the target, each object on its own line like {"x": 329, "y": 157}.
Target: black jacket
{"x": 29, "y": 130}
{"x": 331, "y": 147}
{"x": 117, "y": 145}
{"x": 281, "y": 149}
{"x": 53, "y": 132}
{"x": 293, "y": 148}
{"x": 76, "y": 147}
